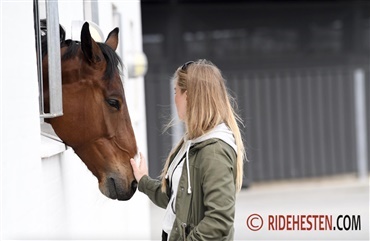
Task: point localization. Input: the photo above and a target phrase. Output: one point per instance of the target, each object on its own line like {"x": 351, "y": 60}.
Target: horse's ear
{"x": 89, "y": 47}
{"x": 112, "y": 39}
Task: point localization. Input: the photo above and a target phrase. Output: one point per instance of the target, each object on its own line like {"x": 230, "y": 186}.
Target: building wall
{"x": 22, "y": 213}
{"x": 290, "y": 66}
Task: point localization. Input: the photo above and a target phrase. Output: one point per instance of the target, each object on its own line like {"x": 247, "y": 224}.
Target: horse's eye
{"x": 114, "y": 103}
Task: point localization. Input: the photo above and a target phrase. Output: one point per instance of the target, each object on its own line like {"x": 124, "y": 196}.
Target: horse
{"x": 95, "y": 120}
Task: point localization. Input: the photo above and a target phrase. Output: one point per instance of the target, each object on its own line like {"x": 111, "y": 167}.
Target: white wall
{"x": 22, "y": 213}
{"x": 77, "y": 210}
{"x": 55, "y": 197}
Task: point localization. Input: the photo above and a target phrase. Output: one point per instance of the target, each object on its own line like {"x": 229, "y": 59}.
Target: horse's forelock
{"x": 114, "y": 62}
{"x": 72, "y": 49}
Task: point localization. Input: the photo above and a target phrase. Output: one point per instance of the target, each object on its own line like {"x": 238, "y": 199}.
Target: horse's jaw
{"x": 112, "y": 169}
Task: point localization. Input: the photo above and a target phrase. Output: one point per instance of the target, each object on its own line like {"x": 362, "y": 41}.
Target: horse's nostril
{"x": 134, "y": 185}
{"x": 112, "y": 188}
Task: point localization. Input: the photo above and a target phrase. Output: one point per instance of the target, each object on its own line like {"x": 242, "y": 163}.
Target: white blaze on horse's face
{"x": 96, "y": 122}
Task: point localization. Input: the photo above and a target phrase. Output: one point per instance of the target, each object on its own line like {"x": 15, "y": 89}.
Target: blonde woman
{"x": 203, "y": 173}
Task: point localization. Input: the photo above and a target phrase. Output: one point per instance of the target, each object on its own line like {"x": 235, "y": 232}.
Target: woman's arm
{"x": 151, "y": 187}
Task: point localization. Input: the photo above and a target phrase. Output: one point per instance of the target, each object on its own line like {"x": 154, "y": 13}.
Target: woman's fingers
{"x": 139, "y": 169}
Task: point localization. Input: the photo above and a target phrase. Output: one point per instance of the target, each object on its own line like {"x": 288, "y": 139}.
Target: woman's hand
{"x": 141, "y": 169}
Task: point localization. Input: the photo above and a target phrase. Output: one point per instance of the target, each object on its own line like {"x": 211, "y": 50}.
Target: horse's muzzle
{"x": 115, "y": 189}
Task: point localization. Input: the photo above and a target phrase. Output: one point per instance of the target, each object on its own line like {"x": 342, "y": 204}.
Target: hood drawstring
{"x": 187, "y": 167}
{"x": 184, "y": 150}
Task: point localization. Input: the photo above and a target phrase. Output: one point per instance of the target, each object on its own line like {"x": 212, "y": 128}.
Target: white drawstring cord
{"x": 187, "y": 166}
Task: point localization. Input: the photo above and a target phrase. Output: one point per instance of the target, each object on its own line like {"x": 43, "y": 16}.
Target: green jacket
{"x": 207, "y": 213}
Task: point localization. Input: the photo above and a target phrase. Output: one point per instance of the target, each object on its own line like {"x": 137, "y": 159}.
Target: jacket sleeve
{"x": 152, "y": 188}
{"x": 218, "y": 184}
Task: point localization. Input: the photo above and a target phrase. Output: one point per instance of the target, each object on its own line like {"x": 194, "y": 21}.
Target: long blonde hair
{"x": 208, "y": 104}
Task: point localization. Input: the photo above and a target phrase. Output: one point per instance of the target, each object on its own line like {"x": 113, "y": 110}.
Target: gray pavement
{"x": 305, "y": 206}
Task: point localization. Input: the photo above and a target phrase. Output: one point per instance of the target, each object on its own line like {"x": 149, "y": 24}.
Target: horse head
{"x": 96, "y": 121}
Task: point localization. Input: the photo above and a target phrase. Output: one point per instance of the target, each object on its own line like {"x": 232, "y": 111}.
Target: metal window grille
{"x": 54, "y": 60}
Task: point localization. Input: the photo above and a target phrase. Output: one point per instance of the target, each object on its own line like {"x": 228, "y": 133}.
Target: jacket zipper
{"x": 170, "y": 179}
{"x": 183, "y": 225}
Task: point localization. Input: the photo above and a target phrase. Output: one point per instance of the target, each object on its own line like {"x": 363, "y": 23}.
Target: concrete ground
{"x": 318, "y": 203}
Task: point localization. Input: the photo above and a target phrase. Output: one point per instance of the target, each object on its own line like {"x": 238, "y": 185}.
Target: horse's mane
{"x": 114, "y": 62}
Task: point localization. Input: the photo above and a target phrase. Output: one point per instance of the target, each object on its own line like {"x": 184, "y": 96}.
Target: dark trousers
{"x": 164, "y": 236}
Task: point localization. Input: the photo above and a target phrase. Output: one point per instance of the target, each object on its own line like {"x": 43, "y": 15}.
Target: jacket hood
{"x": 221, "y": 131}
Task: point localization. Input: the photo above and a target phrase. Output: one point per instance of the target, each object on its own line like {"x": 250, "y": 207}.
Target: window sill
{"x": 51, "y": 144}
